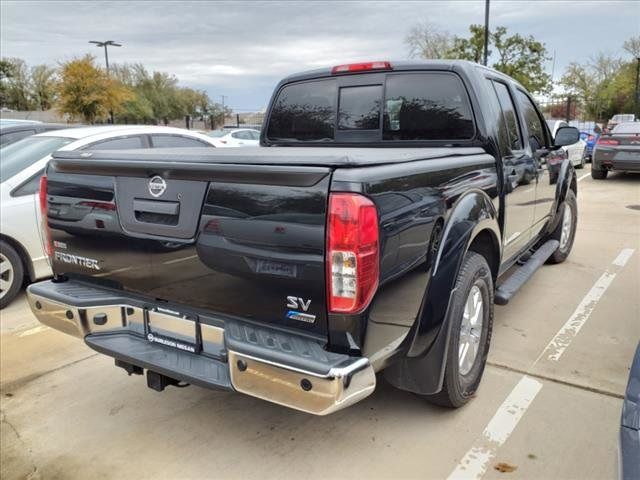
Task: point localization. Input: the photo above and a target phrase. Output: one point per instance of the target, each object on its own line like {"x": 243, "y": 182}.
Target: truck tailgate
{"x": 235, "y": 240}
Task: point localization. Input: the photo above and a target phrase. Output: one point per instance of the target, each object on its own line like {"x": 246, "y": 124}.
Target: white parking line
{"x": 558, "y": 344}
{"x": 503, "y": 423}
{"x": 583, "y": 176}
{"x": 475, "y": 462}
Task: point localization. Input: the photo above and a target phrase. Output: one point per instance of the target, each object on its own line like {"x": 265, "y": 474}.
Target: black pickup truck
{"x": 389, "y": 207}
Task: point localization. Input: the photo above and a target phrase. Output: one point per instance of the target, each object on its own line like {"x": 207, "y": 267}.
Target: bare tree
{"x": 632, "y": 46}
{"x": 604, "y": 65}
{"x": 426, "y": 40}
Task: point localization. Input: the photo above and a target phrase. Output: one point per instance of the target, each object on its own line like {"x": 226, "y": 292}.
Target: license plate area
{"x": 278, "y": 269}
{"x": 173, "y": 329}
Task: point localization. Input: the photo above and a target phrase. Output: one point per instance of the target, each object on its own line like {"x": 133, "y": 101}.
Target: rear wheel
{"x": 471, "y": 319}
{"x": 582, "y": 162}
{"x": 565, "y": 230}
{"x": 598, "y": 174}
{"x": 11, "y": 273}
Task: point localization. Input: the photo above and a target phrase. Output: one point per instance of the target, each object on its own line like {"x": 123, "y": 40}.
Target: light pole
{"x": 486, "y": 31}
{"x": 108, "y": 43}
{"x": 223, "y": 112}
{"x": 636, "y": 98}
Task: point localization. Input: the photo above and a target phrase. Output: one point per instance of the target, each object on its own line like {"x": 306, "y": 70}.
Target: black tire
{"x": 14, "y": 275}
{"x": 580, "y": 166}
{"x": 562, "y": 252}
{"x": 457, "y": 389}
{"x": 598, "y": 174}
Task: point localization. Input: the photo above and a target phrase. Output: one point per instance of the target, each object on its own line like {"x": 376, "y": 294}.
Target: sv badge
{"x": 298, "y": 303}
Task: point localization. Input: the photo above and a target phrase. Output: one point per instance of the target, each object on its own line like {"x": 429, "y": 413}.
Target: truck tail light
{"x": 361, "y": 67}
{"x": 608, "y": 141}
{"x": 46, "y": 234}
{"x": 352, "y": 252}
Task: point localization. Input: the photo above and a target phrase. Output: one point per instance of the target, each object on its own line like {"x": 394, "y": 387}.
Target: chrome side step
{"x": 517, "y": 279}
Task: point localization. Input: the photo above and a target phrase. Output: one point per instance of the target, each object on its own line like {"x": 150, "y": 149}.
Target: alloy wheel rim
{"x": 567, "y": 220}
{"x": 6, "y": 275}
{"x": 470, "y": 330}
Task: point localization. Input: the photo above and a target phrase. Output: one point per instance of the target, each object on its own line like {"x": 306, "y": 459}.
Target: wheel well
{"x": 22, "y": 253}
{"x": 486, "y": 245}
{"x": 574, "y": 186}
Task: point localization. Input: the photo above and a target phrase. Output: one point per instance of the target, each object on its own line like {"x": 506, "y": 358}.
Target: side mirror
{"x": 566, "y": 136}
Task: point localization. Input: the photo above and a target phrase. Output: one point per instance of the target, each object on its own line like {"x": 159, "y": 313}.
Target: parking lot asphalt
{"x": 548, "y": 406}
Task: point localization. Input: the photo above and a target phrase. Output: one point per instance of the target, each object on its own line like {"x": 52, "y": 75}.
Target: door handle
{"x": 151, "y": 206}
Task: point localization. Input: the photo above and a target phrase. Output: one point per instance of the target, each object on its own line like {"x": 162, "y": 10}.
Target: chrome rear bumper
{"x": 283, "y": 368}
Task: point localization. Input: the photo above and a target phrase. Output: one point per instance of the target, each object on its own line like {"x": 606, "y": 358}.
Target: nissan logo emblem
{"x": 157, "y": 186}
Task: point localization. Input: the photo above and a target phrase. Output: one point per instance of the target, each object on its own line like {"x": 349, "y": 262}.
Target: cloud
{"x": 242, "y": 49}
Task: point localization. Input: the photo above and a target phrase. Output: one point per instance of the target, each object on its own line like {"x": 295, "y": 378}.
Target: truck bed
{"x": 286, "y": 156}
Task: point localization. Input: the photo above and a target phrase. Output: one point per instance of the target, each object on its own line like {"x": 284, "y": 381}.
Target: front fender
{"x": 566, "y": 179}
{"x": 422, "y": 369}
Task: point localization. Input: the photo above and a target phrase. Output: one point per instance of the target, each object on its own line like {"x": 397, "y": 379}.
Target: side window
{"x": 121, "y": 143}
{"x": 532, "y": 119}
{"x": 255, "y": 135}
{"x": 237, "y": 135}
{"x": 11, "y": 137}
{"x": 29, "y": 187}
{"x": 175, "y": 141}
{"x": 509, "y": 113}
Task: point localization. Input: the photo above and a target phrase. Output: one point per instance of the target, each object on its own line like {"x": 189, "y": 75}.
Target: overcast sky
{"x": 241, "y": 49}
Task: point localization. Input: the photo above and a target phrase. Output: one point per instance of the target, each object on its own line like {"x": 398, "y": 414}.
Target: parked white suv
{"x": 21, "y": 166}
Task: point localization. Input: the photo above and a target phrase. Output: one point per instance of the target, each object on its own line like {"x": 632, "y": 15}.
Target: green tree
{"x": 6, "y": 71}
{"x": 43, "y": 86}
{"x": 87, "y": 91}
{"x": 158, "y": 96}
{"x": 604, "y": 85}
{"x": 520, "y": 57}
{"x": 17, "y": 84}
{"x": 471, "y": 48}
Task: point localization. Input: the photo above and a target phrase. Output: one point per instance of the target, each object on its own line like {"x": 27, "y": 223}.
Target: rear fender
{"x": 422, "y": 369}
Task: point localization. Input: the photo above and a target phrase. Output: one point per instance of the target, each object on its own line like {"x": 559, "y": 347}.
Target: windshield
{"x": 22, "y": 154}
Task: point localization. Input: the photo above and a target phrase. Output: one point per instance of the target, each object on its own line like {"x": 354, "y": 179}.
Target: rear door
{"x": 519, "y": 172}
{"x": 547, "y": 164}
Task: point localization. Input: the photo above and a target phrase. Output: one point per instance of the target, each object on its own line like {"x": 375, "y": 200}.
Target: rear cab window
{"x": 375, "y": 107}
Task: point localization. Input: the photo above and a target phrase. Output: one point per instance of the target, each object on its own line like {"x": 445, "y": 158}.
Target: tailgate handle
{"x": 164, "y": 208}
